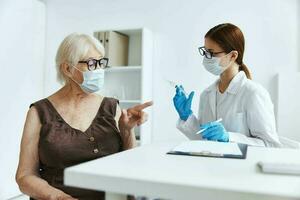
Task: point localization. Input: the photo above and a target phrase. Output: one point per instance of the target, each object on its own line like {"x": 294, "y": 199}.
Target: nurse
{"x": 245, "y": 107}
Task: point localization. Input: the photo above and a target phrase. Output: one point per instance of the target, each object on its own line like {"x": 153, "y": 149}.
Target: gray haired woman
{"x": 74, "y": 124}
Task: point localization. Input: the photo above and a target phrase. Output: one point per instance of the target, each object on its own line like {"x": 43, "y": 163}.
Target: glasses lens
{"x": 201, "y": 51}
{"x": 208, "y": 54}
{"x": 91, "y": 64}
{"x": 103, "y": 63}
{"x": 204, "y": 52}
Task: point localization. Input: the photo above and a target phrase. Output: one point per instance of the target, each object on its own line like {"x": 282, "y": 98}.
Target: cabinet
{"x": 132, "y": 83}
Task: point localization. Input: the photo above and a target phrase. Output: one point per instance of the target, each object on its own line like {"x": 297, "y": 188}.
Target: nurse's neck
{"x": 227, "y": 76}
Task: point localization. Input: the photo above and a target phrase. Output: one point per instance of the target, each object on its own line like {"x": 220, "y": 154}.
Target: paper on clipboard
{"x": 211, "y": 147}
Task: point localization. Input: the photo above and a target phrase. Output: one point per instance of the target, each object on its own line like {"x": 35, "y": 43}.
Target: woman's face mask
{"x": 93, "y": 81}
{"x": 214, "y": 66}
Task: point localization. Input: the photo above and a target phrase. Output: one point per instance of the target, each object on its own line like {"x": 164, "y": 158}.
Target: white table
{"x": 149, "y": 171}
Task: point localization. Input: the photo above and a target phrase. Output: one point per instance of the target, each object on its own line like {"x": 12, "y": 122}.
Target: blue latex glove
{"x": 182, "y": 103}
{"x": 215, "y": 131}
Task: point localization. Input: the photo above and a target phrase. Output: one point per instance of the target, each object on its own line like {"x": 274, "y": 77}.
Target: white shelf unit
{"x": 132, "y": 84}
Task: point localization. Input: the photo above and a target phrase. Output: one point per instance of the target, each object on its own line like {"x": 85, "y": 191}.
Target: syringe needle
{"x": 176, "y": 85}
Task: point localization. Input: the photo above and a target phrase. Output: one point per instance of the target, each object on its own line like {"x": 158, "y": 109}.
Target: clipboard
{"x": 243, "y": 148}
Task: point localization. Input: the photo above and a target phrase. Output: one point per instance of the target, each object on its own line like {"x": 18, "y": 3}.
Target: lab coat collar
{"x": 234, "y": 85}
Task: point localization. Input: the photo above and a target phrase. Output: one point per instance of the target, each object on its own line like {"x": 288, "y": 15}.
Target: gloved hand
{"x": 215, "y": 131}
{"x": 182, "y": 103}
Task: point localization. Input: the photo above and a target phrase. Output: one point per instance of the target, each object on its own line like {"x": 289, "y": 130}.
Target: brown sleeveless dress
{"x": 61, "y": 146}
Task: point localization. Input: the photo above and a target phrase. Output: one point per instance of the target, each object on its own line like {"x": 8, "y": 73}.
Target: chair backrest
{"x": 288, "y": 105}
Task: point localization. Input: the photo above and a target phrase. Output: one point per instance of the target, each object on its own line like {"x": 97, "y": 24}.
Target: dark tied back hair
{"x": 229, "y": 37}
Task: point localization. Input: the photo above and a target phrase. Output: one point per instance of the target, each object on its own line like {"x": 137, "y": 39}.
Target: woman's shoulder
{"x": 38, "y": 103}
{"x": 38, "y": 109}
{"x": 255, "y": 92}
{"x": 108, "y": 105}
{"x": 110, "y": 99}
{"x": 107, "y": 99}
{"x": 254, "y": 88}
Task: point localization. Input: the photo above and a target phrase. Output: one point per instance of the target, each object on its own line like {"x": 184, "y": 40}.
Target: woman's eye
{"x": 91, "y": 63}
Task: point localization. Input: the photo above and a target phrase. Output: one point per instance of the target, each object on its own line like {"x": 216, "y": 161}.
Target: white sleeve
{"x": 261, "y": 119}
{"x": 189, "y": 127}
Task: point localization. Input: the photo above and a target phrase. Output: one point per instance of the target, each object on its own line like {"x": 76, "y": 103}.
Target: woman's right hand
{"x": 182, "y": 103}
{"x": 134, "y": 116}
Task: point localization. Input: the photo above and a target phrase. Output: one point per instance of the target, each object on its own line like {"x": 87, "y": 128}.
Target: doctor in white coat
{"x": 245, "y": 107}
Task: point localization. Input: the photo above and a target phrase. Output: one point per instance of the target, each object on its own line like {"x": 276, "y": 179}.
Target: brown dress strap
{"x": 44, "y": 112}
{"x": 108, "y": 107}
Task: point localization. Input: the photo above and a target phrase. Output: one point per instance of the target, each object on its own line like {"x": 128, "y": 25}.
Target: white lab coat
{"x": 247, "y": 112}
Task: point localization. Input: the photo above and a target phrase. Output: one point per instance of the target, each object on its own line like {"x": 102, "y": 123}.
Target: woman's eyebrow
{"x": 210, "y": 50}
{"x": 95, "y": 58}
{"x": 207, "y": 48}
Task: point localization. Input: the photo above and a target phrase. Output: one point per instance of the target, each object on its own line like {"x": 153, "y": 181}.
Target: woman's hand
{"x": 215, "y": 131}
{"x": 183, "y": 103}
{"x": 130, "y": 118}
{"x": 134, "y": 116}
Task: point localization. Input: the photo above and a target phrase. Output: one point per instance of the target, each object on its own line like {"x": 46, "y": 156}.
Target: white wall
{"x": 21, "y": 82}
{"x": 298, "y": 42}
{"x": 270, "y": 28}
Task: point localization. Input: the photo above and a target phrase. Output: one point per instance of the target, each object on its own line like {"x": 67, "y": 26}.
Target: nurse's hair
{"x": 74, "y": 48}
{"x": 230, "y": 38}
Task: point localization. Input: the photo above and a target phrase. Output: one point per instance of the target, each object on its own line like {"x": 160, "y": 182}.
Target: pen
{"x": 219, "y": 120}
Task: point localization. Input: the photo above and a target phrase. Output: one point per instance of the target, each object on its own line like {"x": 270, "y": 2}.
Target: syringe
{"x": 176, "y": 85}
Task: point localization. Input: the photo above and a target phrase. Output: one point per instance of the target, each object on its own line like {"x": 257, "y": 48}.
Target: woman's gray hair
{"x": 74, "y": 48}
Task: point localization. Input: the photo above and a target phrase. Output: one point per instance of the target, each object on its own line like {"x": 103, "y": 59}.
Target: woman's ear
{"x": 65, "y": 69}
{"x": 234, "y": 55}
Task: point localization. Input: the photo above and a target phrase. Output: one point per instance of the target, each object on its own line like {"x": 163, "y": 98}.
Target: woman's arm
{"x": 261, "y": 118}
{"x": 130, "y": 118}
{"x": 189, "y": 127}
{"x": 27, "y": 176}
{"x": 192, "y": 124}
{"x": 127, "y": 134}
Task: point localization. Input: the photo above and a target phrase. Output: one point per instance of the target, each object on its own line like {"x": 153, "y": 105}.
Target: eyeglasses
{"x": 208, "y": 54}
{"x": 92, "y": 63}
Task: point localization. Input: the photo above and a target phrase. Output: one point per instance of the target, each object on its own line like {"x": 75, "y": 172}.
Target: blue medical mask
{"x": 93, "y": 81}
{"x": 213, "y": 65}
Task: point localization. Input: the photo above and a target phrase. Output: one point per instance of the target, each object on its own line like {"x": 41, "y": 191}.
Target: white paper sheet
{"x": 208, "y": 146}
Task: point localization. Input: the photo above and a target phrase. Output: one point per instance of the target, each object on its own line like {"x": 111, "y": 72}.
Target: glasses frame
{"x": 96, "y": 63}
{"x": 208, "y": 54}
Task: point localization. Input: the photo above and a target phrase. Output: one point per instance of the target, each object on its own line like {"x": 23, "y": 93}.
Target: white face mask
{"x": 93, "y": 81}
{"x": 213, "y": 65}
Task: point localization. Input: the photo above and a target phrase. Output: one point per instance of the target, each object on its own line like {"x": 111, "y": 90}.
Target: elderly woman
{"x": 74, "y": 124}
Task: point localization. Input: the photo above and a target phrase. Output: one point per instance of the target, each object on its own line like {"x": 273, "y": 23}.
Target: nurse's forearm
{"x": 128, "y": 139}
{"x": 189, "y": 127}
